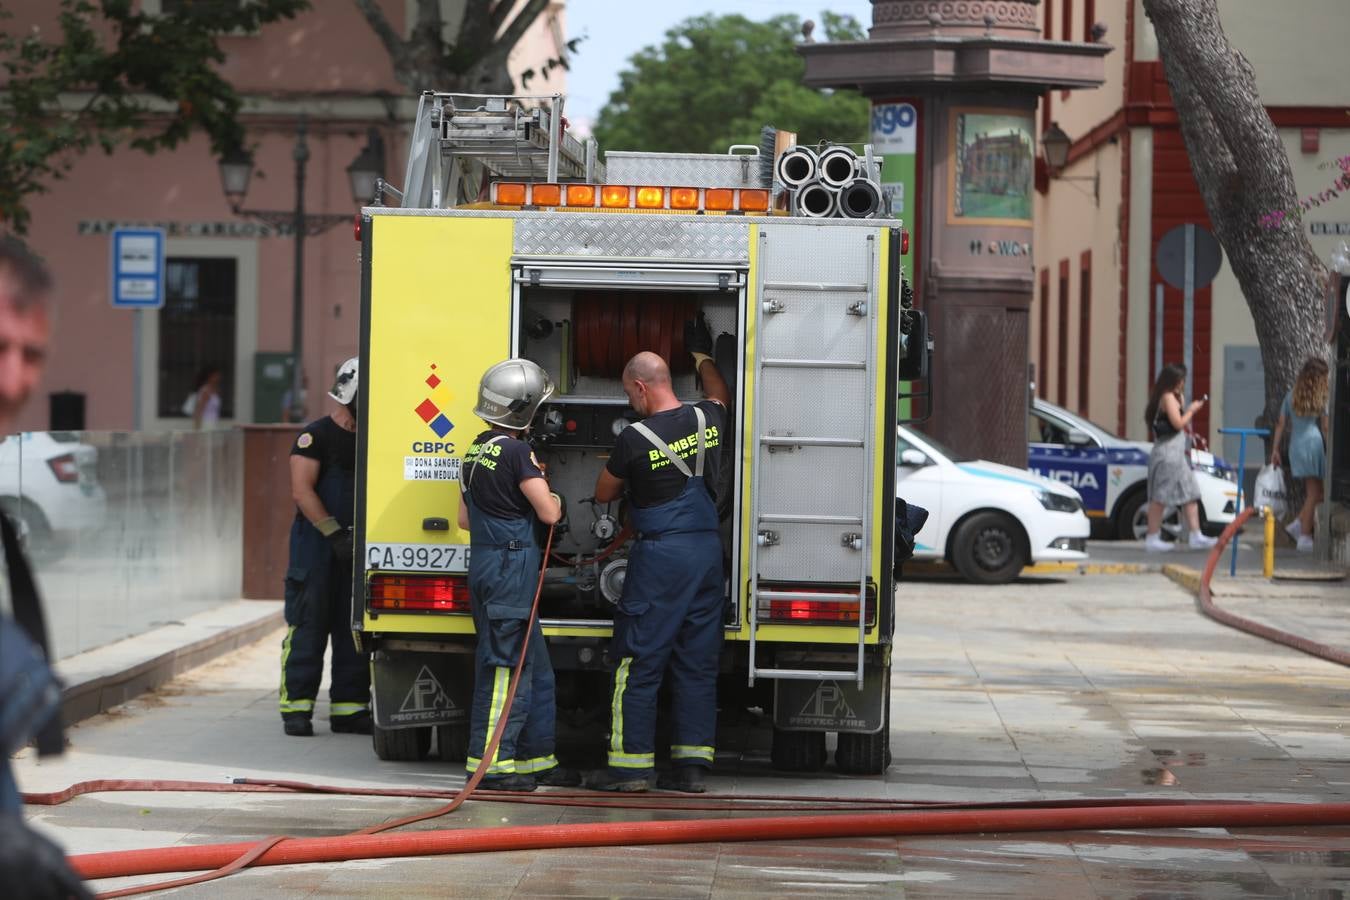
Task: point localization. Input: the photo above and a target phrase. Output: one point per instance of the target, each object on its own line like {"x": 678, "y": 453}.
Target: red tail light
{"x": 420, "y": 593}
{"x": 64, "y": 468}
{"x": 801, "y": 608}
{"x": 813, "y": 611}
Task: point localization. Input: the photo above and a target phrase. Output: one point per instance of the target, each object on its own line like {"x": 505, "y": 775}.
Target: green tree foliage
{"x": 109, "y": 74}
{"x": 716, "y": 80}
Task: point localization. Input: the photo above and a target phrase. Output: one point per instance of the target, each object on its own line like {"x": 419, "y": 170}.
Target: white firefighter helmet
{"x": 344, "y": 387}
{"x": 510, "y": 393}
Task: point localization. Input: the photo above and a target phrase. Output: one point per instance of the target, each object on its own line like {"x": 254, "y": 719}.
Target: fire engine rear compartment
{"x": 582, "y": 332}
{"x": 807, "y": 353}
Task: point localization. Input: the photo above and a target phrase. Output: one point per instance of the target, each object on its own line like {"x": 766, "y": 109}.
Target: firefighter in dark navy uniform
{"x": 504, "y": 497}
{"x": 319, "y": 579}
{"x": 669, "y": 618}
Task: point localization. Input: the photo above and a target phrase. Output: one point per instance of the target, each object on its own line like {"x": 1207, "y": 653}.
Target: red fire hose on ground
{"x": 1242, "y": 623}
{"x": 880, "y": 818}
{"x": 293, "y": 851}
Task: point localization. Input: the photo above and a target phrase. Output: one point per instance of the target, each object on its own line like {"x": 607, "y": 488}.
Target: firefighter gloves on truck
{"x": 698, "y": 339}
{"x": 339, "y": 538}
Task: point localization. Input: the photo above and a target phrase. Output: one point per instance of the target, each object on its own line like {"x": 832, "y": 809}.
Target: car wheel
{"x": 1171, "y": 527}
{"x": 1127, "y": 513}
{"x": 35, "y": 534}
{"x": 989, "y": 548}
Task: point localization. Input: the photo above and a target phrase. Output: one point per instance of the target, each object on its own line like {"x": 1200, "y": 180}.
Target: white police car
{"x": 987, "y": 520}
{"x": 1111, "y": 474}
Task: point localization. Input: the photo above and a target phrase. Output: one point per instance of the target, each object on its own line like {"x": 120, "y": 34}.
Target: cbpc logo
{"x": 432, "y": 411}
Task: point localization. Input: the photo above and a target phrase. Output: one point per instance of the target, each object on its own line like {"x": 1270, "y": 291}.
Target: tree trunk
{"x": 475, "y": 63}
{"x": 1243, "y": 173}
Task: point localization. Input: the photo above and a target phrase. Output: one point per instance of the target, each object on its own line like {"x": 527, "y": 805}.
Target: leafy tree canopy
{"x": 716, "y": 80}
{"x": 110, "y": 74}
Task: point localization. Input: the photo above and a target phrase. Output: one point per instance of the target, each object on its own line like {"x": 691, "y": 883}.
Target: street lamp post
{"x": 236, "y": 168}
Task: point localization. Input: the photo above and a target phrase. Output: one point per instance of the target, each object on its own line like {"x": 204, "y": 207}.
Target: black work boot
{"x": 514, "y": 782}
{"x": 620, "y": 782}
{"x": 688, "y": 779}
{"x": 558, "y": 776}
{"x": 356, "y": 723}
{"x": 298, "y": 726}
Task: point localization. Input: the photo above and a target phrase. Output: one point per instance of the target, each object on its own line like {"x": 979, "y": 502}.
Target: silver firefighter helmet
{"x": 344, "y": 387}
{"x": 510, "y": 393}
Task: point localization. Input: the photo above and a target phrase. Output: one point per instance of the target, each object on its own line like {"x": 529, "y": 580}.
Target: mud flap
{"x": 833, "y": 705}
{"x": 410, "y": 688}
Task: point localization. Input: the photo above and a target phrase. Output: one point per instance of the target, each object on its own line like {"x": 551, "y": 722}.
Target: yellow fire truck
{"x": 514, "y": 240}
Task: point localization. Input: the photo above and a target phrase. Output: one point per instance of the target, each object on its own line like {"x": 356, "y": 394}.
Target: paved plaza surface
{"x": 1058, "y": 687}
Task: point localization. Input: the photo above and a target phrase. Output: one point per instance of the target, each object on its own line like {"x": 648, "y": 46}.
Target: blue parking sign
{"x": 138, "y": 268}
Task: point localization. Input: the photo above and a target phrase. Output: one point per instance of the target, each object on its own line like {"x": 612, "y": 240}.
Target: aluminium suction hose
{"x": 294, "y": 851}
{"x": 1206, "y": 601}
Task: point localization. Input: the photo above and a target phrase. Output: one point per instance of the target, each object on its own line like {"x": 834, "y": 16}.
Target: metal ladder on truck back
{"x": 513, "y": 136}
{"x": 812, "y": 497}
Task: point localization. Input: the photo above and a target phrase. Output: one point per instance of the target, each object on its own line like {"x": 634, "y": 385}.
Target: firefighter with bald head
{"x": 319, "y": 578}
{"x": 504, "y": 496}
{"x": 669, "y": 619}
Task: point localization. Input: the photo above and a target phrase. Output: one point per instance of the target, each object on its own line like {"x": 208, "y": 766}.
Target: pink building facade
{"x": 229, "y": 279}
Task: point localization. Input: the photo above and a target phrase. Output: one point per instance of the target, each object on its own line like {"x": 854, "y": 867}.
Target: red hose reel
{"x": 611, "y": 327}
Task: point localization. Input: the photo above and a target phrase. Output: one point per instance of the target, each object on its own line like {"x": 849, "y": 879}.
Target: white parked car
{"x": 49, "y": 488}
{"x": 987, "y": 520}
{"x": 1111, "y": 474}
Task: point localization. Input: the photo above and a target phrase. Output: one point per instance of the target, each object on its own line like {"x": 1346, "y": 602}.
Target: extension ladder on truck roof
{"x": 509, "y": 138}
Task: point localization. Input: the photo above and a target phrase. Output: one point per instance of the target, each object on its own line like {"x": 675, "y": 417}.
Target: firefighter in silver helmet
{"x": 504, "y": 495}
{"x": 319, "y": 578}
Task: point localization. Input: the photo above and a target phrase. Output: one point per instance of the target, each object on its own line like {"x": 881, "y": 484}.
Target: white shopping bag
{"x": 1270, "y": 491}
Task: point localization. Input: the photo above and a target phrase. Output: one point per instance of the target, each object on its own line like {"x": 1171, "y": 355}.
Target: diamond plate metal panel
{"x": 815, "y": 403}
{"x": 683, "y": 169}
{"x": 812, "y": 481}
{"x": 809, "y": 551}
{"x": 817, "y": 252}
{"x": 644, "y": 237}
{"x": 813, "y": 325}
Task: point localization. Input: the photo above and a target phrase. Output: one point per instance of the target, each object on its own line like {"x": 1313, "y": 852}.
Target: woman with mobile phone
{"x": 1170, "y": 479}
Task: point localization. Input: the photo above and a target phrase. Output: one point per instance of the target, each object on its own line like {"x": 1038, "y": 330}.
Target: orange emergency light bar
{"x": 622, "y": 196}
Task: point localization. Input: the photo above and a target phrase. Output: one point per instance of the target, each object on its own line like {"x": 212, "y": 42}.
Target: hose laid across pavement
{"x": 294, "y": 851}
{"x": 1242, "y": 623}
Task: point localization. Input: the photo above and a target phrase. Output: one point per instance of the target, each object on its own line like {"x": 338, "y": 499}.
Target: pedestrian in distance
{"x": 504, "y": 497}
{"x": 1304, "y": 415}
{"x": 669, "y": 619}
{"x": 30, "y": 694}
{"x": 203, "y": 404}
{"x": 1171, "y": 483}
{"x": 319, "y": 578}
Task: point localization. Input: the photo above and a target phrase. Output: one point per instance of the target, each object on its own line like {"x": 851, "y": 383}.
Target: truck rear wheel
{"x": 798, "y": 751}
{"x": 452, "y": 742}
{"x": 401, "y": 744}
{"x": 863, "y": 754}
